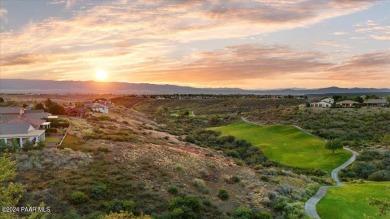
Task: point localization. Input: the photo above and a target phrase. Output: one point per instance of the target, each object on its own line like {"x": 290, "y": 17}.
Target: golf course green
{"x": 352, "y": 201}
{"x": 288, "y": 145}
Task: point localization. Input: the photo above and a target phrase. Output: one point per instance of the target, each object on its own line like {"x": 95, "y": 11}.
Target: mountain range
{"x": 64, "y": 87}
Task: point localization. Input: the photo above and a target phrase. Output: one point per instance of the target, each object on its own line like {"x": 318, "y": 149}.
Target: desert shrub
{"x": 78, "y": 197}
{"x": 179, "y": 169}
{"x": 288, "y": 209}
{"x": 368, "y": 155}
{"x": 173, "y": 190}
{"x": 223, "y": 194}
{"x": 347, "y": 173}
{"x": 247, "y": 213}
{"x": 242, "y": 213}
{"x": 189, "y": 139}
{"x": 363, "y": 169}
{"x": 232, "y": 153}
{"x": 199, "y": 184}
{"x": 381, "y": 175}
{"x": 235, "y": 179}
{"x": 263, "y": 215}
{"x": 116, "y": 206}
{"x": 41, "y": 145}
{"x": 123, "y": 215}
{"x": 28, "y": 145}
{"x": 179, "y": 207}
{"x": 98, "y": 192}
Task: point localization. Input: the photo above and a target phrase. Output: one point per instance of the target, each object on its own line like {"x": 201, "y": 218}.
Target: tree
{"x": 1, "y": 100}
{"x": 39, "y": 106}
{"x": 359, "y": 99}
{"x": 57, "y": 109}
{"x": 10, "y": 192}
{"x": 223, "y": 194}
{"x": 334, "y": 144}
{"x": 48, "y": 102}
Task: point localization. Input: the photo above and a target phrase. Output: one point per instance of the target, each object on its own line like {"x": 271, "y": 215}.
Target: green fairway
{"x": 287, "y": 145}
{"x": 352, "y": 201}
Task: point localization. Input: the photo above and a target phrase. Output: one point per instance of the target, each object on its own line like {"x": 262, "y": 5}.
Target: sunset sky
{"x": 254, "y": 44}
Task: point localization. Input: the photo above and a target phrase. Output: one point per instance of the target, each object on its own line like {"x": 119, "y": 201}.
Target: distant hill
{"x": 51, "y": 87}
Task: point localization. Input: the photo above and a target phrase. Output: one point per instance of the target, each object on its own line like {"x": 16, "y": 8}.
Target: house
{"x": 36, "y": 118}
{"x": 36, "y": 123}
{"x": 375, "y": 102}
{"x": 21, "y": 132}
{"x": 347, "y": 103}
{"x": 76, "y": 112}
{"x": 18, "y": 111}
{"x": 11, "y": 110}
{"x": 320, "y": 104}
{"x": 37, "y": 114}
{"x": 328, "y": 100}
{"x": 97, "y": 107}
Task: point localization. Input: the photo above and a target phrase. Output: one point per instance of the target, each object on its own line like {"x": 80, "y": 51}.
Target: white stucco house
{"x": 97, "y": 107}
{"x": 320, "y": 104}
{"x": 328, "y": 100}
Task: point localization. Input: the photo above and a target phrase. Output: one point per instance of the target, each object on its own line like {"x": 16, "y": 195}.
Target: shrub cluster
{"x": 247, "y": 213}
{"x": 371, "y": 164}
{"x": 183, "y": 207}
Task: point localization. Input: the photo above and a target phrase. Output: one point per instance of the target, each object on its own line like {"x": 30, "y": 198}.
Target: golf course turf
{"x": 352, "y": 201}
{"x": 288, "y": 145}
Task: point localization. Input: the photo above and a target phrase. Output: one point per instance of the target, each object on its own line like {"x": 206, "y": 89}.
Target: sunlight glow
{"x": 101, "y": 75}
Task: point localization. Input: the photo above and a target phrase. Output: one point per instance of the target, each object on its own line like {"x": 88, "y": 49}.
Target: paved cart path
{"x": 310, "y": 205}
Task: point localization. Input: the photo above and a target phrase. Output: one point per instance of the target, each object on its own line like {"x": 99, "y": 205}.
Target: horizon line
{"x": 178, "y": 85}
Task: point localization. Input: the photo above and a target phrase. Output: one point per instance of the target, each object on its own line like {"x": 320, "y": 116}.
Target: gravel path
{"x": 310, "y": 205}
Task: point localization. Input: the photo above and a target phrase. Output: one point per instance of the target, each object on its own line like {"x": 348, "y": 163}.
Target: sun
{"x": 101, "y": 75}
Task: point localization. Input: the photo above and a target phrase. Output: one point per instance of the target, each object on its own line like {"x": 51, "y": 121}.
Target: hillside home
{"x": 328, "y": 100}
{"x": 375, "y": 102}
{"x": 76, "y": 112}
{"x": 20, "y": 115}
{"x": 347, "y": 103}
{"x": 97, "y": 107}
{"x": 320, "y": 104}
{"x": 21, "y": 132}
